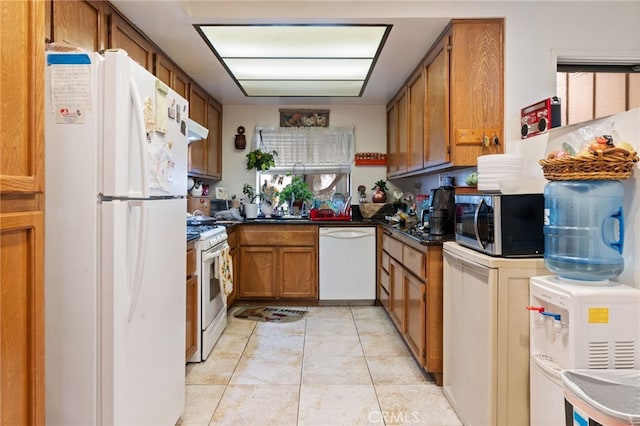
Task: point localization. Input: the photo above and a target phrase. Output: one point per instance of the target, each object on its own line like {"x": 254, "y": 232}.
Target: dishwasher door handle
{"x": 344, "y": 234}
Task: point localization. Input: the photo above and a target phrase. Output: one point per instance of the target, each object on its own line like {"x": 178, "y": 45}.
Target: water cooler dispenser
{"x": 577, "y": 326}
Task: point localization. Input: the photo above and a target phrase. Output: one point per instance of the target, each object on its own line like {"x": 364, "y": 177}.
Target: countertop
{"x": 401, "y": 229}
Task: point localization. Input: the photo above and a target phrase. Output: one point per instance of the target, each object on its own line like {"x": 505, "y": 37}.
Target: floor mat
{"x": 268, "y": 314}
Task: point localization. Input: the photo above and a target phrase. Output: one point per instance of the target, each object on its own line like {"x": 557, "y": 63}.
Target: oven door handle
{"x": 476, "y": 228}
{"x": 212, "y": 254}
{"x": 209, "y": 256}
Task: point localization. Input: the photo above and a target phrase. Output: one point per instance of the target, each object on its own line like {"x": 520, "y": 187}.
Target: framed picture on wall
{"x": 304, "y": 118}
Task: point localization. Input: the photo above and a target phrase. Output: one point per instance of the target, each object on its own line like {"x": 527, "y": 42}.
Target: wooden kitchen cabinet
{"x": 214, "y": 140}
{"x": 181, "y": 83}
{"x": 198, "y": 110}
{"x": 415, "y": 329}
{"x": 278, "y": 261}
{"x": 123, "y": 35}
{"x": 436, "y": 150}
{"x": 96, "y": 25}
{"x": 164, "y": 69}
{"x": 392, "y": 139}
{"x": 396, "y": 294}
{"x": 462, "y": 82}
{"x": 79, "y": 23}
{"x": 476, "y": 89}
{"x": 22, "y": 367}
{"x": 191, "y": 343}
{"x": 415, "y": 297}
{"x": 416, "y": 118}
{"x": 205, "y": 156}
{"x": 234, "y": 252}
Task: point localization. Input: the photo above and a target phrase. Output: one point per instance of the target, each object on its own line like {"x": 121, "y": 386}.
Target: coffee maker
{"x": 442, "y": 211}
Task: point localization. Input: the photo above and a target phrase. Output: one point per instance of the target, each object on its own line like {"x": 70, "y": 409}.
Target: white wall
{"x": 370, "y": 135}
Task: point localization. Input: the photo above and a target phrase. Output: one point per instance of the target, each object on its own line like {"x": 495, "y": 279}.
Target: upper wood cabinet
{"x": 78, "y": 23}
{"x": 403, "y": 131}
{"x": 96, "y": 25}
{"x": 214, "y": 140}
{"x": 392, "y": 139}
{"x": 476, "y": 90}
{"x": 164, "y": 69}
{"x": 462, "y": 84}
{"x": 416, "y": 118}
{"x": 181, "y": 83}
{"x": 436, "y": 143}
{"x": 124, "y": 36}
{"x": 22, "y": 367}
{"x": 198, "y": 110}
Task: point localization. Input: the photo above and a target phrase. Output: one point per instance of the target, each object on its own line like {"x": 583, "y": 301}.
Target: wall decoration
{"x": 304, "y": 118}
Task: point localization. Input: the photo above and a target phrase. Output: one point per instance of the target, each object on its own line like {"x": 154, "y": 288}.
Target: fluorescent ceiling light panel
{"x": 297, "y": 60}
{"x": 301, "y": 88}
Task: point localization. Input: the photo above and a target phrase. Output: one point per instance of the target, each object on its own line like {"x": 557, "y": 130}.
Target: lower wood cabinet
{"x": 410, "y": 289}
{"x": 234, "y": 251}
{"x": 191, "y": 343}
{"x": 278, "y": 261}
{"x": 396, "y": 294}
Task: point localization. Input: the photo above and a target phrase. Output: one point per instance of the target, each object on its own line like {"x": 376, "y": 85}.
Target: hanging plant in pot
{"x": 379, "y": 195}
{"x": 261, "y": 160}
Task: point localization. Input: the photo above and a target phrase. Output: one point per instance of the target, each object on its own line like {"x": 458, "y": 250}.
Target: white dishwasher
{"x": 347, "y": 263}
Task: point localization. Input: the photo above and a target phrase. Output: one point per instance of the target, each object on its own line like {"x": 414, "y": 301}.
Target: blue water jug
{"x": 584, "y": 229}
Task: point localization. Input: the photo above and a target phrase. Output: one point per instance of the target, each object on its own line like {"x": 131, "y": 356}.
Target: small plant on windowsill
{"x": 261, "y": 160}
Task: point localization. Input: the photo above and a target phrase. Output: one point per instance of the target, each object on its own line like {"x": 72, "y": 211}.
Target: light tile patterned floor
{"x": 339, "y": 365}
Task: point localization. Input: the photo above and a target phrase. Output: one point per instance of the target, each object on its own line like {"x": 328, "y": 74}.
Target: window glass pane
{"x": 580, "y": 102}
{"x": 610, "y": 94}
{"x": 323, "y": 185}
{"x": 634, "y": 91}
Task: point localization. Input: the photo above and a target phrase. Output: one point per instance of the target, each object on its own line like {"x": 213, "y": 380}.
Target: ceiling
{"x": 169, "y": 23}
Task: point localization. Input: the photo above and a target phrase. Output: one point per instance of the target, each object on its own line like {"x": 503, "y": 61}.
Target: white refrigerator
{"x": 115, "y": 244}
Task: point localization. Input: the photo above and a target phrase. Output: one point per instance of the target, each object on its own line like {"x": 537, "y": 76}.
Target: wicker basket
{"x": 610, "y": 164}
{"x": 369, "y": 209}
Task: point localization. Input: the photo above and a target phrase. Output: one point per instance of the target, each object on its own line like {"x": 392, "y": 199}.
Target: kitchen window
{"x": 322, "y": 156}
{"x": 593, "y": 91}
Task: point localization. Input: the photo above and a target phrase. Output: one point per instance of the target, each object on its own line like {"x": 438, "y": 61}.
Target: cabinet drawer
{"x": 392, "y": 246}
{"x": 385, "y": 261}
{"x": 384, "y": 280}
{"x": 383, "y": 297}
{"x": 414, "y": 261}
{"x": 279, "y": 235}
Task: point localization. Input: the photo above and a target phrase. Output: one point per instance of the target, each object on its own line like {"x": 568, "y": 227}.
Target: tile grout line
{"x": 226, "y": 386}
{"x": 373, "y": 384}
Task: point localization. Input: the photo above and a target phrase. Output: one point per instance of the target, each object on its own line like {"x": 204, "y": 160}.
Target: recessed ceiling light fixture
{"x": 297, "y": 60}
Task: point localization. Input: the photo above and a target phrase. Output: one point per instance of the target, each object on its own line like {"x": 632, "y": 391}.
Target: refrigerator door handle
{"x": 136, "y": 280}
{"x": 139, "y": 118}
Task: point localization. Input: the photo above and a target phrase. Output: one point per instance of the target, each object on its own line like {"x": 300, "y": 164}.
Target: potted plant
{"x": 379, "y": 195}
{"x": 261, "y": 160}
{"x": 251, "y": 208}
{"x": 296, "y": 192}
{"x": 269, "y": 197}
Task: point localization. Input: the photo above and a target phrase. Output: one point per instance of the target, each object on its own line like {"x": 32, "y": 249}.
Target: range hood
{"x": 195, "y": 131}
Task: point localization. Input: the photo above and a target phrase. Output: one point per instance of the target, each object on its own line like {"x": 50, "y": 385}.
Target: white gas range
{"x": 212, "y": 300}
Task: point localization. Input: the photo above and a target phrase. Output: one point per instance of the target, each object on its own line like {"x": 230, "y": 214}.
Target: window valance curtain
{"x": 319, "y": 149}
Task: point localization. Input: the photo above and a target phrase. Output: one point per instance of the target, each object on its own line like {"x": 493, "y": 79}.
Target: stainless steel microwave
{"x": 505, "y": 225}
